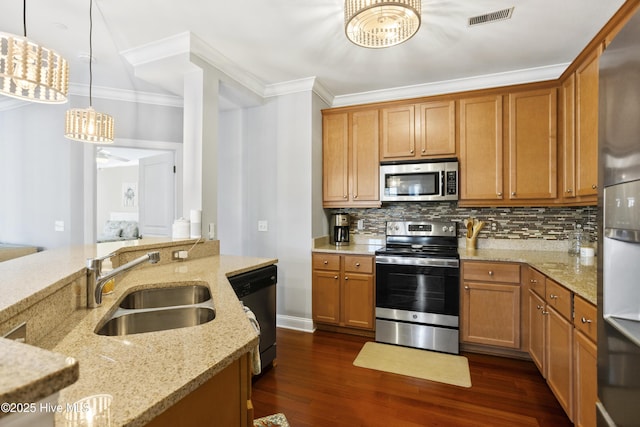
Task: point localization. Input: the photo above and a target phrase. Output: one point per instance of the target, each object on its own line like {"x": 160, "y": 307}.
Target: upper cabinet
{"x": 532, "y": 145}
{"x": 481, "y": 142}
{"x": 350, "y": 161}
{"x": 415, "y": 131}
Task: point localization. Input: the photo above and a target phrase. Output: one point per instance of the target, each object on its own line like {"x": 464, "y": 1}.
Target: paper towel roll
{"x": 195, "y": 215}
{"x": 196, "y": 230}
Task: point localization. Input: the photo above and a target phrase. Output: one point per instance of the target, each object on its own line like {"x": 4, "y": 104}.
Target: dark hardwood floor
{"x": 314, "y": 383}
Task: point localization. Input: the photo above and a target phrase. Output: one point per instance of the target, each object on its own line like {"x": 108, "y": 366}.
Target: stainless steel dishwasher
{"x": 257, "y": 290}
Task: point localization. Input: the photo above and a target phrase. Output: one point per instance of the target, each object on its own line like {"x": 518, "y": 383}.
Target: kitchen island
{"x": 144, "y": 373}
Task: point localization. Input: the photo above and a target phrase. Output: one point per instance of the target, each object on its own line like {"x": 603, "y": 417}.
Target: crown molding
{"x": 126, "y": 95}
{"x": 508, "y": 78}
{"x": 309, "y": 84}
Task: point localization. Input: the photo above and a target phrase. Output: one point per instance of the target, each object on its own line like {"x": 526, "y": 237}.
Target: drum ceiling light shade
{"x": 31, "y": 72}
{"x": 381, "y": 23}
{"x": 86, "y": 124}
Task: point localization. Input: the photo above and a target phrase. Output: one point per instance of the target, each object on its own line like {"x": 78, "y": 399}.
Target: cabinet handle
{"x": 345, "y": 196}
{"x": 355, "y": 196}
{"x": 335, "y": 277}
{"x": 490, "y": 272}
{"x": 552, "y": 296}
{"x": 346, "y": 277}
{"x": 534, "y": 281}
{"x": 357, "y": 264}
{"x": 569, "y": 191}
{"x": 466, "y": 287}
{"x": 326, "y": 262}
{"x": 538, "y": 307}
{"x": 544, "y": 313}
{"x": 411, "y": 151}
{"x": 499, "y": 194}
{"x": 424, "y": 151}
{"x": 593, "y": 187}
{"x": 513, "y": 193}
{"x": 585, "y": 320}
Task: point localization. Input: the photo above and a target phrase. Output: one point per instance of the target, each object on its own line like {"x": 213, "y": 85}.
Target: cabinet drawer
{"x": 559, "y": 298}
{"x": 326, "y": 261}
{"x": 585, "y": 318}
{"x": 537, "y": 282}
{"x": 358, "y": 264}
{"x": 491, "y": 272}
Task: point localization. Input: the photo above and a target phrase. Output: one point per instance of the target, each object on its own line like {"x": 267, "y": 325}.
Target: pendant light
{"x": 86, "y": 124}
{"x": 29, "y": 71}
{"x": 381, "y": 23}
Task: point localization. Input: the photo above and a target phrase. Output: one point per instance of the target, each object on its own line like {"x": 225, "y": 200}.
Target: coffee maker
{"x": 340, "y": 229}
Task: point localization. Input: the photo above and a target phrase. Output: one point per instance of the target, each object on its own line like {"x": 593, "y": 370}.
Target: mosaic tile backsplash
{"x": 545, "y": 223}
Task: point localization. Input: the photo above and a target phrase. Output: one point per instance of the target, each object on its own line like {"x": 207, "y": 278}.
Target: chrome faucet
{"x": 96, "y": 281}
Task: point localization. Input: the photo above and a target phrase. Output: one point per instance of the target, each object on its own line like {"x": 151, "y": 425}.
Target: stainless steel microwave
{"x": 419, "y": 182}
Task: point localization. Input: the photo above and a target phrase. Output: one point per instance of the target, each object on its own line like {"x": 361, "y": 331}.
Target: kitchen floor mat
{"x": 276, "y": 420}
{"x": 427, "y": 365}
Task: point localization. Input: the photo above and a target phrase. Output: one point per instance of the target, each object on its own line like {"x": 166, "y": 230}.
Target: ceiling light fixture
{"x": 86, "y": 124}
{"x": 29, "y": 71}
{"x": 381, "y": 23}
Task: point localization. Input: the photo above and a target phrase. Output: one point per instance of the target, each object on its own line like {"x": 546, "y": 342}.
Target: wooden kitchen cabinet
{"x": 350, "y": 164}
{"x": 579, "y": 143}
{"x": 490, "y": 304}
{"x": 586, "y": 133}
{"x": 481, "y": 149}
{"x": 343, "y": 290}
{"x": 537, "y": 313}
{"x": 531, "y": 163}
{"x": 585, "y": 363}
{"x": 413, "y": 132}
{"x": 224, "y": 400}
{"x": 559, "y": 358}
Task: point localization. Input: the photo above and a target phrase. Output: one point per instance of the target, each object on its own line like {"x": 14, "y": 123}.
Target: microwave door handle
{"x": 442, "y": 183}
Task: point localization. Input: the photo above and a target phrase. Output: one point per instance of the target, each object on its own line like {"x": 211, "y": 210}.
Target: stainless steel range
{"x": 417, "y": 286}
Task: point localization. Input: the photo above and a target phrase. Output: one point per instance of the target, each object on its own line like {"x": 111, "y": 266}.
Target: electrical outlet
{"x": 263, "y": 225}
{"x": 58, "y": 225}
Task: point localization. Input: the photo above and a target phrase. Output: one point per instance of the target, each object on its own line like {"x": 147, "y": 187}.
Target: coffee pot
{"x": 340, "y": 229}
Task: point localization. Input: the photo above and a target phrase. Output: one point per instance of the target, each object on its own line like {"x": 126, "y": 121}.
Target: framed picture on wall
{"x": 129, "y": 194}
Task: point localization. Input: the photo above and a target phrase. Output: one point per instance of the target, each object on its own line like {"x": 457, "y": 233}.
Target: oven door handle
{"x": 426, "y": 262}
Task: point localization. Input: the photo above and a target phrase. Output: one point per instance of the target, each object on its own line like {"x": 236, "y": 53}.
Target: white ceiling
{"x": 279, "y": 41}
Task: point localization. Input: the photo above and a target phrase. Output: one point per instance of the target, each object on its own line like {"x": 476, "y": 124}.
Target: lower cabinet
{"x": 224, "y": 400}
{"x": 343, "y": 290}
{"x": 585, "y": 355}
{"x": 559, "y": 358}
{"x": 490, "y": 304}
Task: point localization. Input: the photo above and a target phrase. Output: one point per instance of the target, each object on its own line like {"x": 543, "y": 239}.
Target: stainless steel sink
{"x": 166, "y": 296}
{"x": 137, "y": 322}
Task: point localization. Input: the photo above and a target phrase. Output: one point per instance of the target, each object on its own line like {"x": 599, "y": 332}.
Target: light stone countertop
{"x": 577, "y": 274}
{"x": 145, "y": 373}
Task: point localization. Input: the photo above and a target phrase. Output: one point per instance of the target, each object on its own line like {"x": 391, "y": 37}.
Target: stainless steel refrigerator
{"x": 619, "y": 248}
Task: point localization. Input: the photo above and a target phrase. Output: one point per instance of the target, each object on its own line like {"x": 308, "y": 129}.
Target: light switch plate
{"x": 263, "y": 225}
{"x": 58, "y": 225}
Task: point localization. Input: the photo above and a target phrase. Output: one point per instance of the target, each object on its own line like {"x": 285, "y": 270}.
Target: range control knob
{"x": 444, "y": 228}
{"x": 451, "y": 229}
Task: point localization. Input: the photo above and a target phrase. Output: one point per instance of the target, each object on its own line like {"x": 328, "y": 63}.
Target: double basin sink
{"x": 166, "y": 306}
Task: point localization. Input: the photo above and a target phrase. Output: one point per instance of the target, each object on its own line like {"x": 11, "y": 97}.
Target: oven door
{"x": 425, "y": 293}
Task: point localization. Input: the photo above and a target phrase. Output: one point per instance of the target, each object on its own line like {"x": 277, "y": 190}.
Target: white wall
{"x": 109, "y": 187}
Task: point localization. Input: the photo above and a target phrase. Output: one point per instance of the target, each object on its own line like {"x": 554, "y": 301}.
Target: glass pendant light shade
{"x": 88, "y": 125}
{"x": 381, "y": 23}
{"x": 31, "y": 72}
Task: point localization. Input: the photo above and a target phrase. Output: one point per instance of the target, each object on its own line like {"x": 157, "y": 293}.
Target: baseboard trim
{"x": 296, "y": 323}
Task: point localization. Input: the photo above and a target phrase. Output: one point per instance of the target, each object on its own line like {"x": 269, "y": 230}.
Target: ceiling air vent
{"x": 500, "y": 15}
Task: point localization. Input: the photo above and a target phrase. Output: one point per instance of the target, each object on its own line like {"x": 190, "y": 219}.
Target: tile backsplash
{"x": 544, "y": 223}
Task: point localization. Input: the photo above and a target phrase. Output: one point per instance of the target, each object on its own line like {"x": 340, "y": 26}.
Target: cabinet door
{"x": 491, "y": 314}
{"x": 357, "y": 298}
{"x": 326, "y": 297}
{"x": 398, "y": 132}
{"x": 568, "y": 143}
{"x": 481, "y": 148}
{"x": 532, "y": 160}
{"x": 587, "y": 127}
{"x": 537, "y": 330}
{"x": 365, "y": 169}
{"x": 559, "y": 358}
{"x": 335, "y": 157}
{"x": 586, "y": 380}
{"x": 436, "y": 128}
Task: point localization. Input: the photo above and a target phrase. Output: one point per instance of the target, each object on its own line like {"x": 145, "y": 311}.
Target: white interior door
{"x": 156, "y": 195}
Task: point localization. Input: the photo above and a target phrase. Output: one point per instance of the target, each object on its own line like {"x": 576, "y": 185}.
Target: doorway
{"x": 136, "y": 190}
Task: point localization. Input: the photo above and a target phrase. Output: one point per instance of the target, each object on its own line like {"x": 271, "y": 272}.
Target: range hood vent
{"x": 500, "y": 15}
